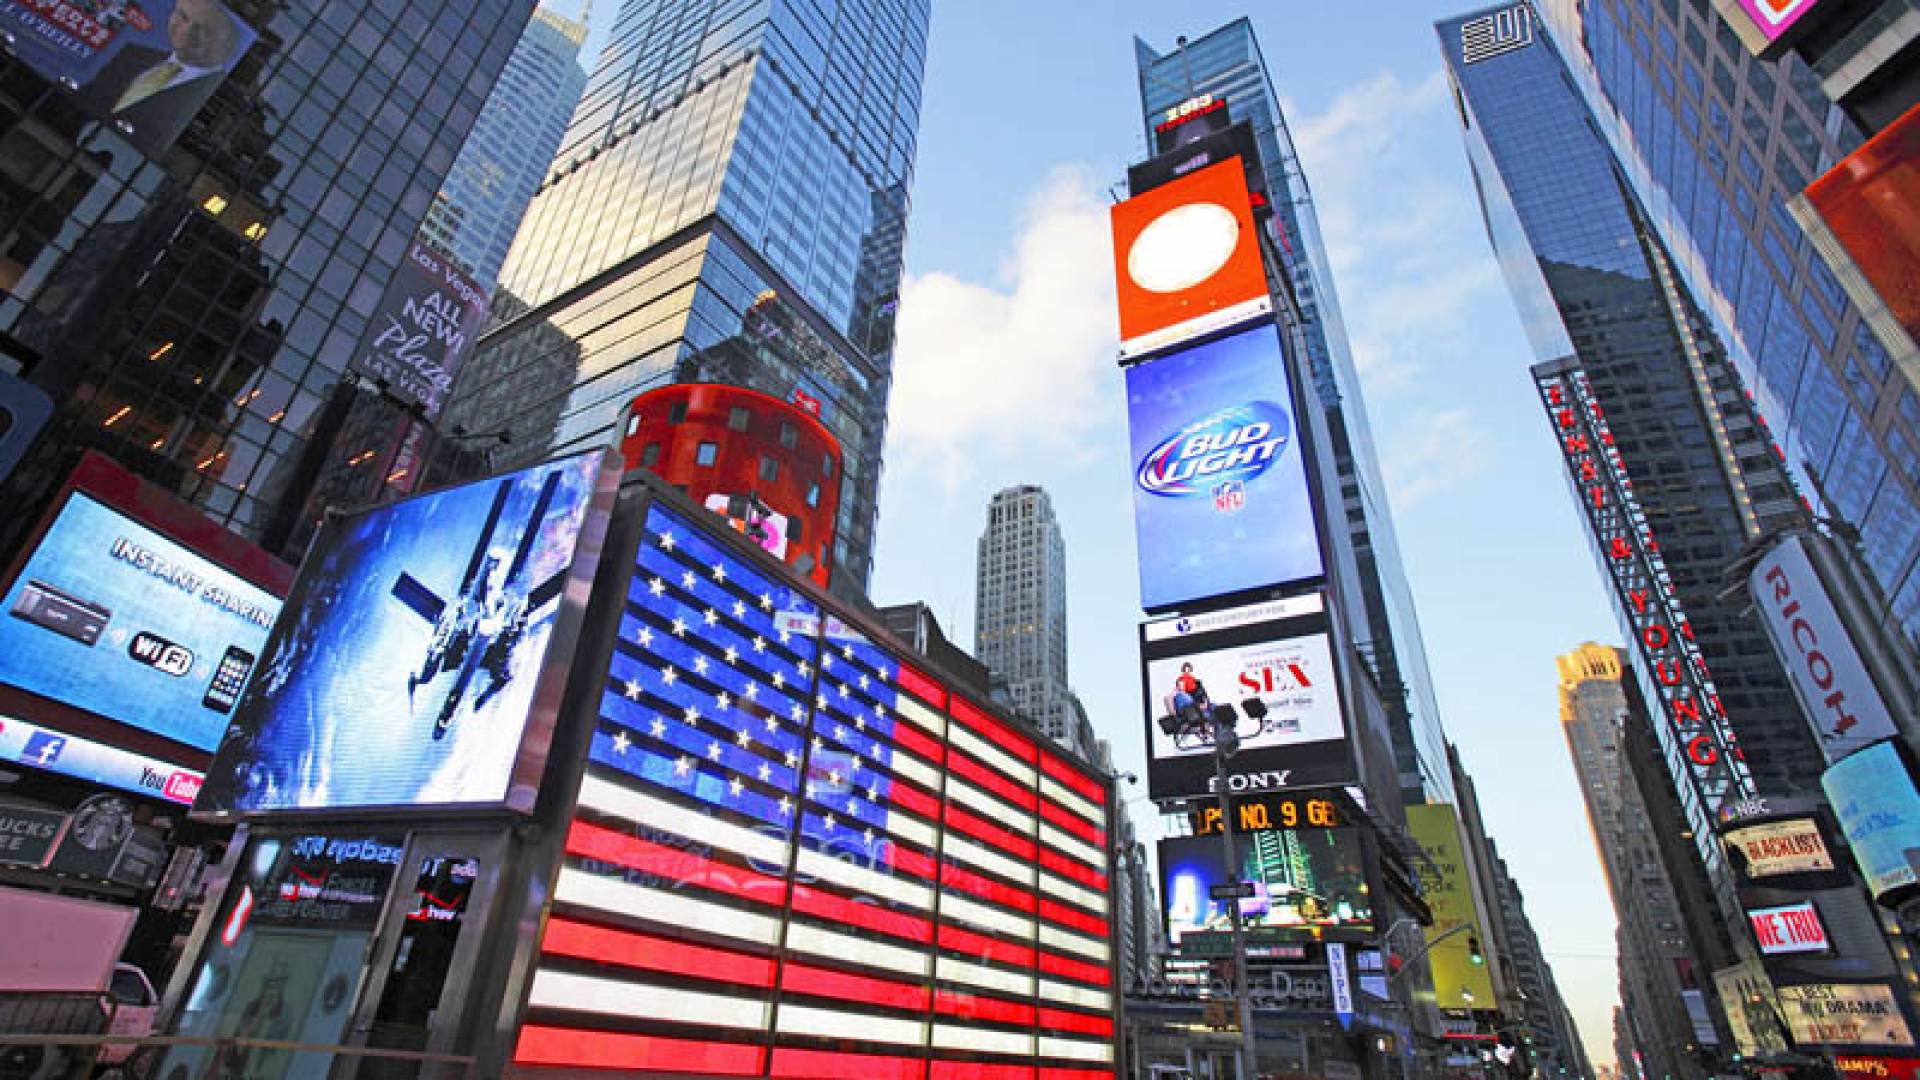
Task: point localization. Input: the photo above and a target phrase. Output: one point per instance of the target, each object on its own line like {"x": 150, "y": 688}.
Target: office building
{"x": 1020, "y": 612}
{"x": 727, "y": 206}
{"x": 1227, "y": 64}
{"x": 1717, "y": 143}
{"x": 478, "y": 209}
{"x": 1655, "y": 956}
{"x": 1666, "y": 456}
{"x": 191, "y": 306}
{"x": 1547, "y": 1027}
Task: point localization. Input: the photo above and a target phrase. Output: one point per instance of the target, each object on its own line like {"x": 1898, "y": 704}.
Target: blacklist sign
{"x": 1232, "y": 890}
{"x": 423, "y": 329}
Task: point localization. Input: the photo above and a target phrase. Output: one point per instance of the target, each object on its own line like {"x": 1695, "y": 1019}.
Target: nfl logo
{"x": 1229, "y": 497}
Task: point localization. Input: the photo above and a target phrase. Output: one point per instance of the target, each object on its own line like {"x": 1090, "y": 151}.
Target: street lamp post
{"x": 1225, "y": 742}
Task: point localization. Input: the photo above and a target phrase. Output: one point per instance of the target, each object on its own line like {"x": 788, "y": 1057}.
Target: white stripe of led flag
{"x": 827, "y": 1023}
{"x": 998, "y": 812}
{"x": 607, "y": 997}
{"x": 984, "y": 1040}
{"x": 1079, "y": 849}
{"x": 658, "y": 814}
{"x": 859, "y": 879}
{"x": 1069, "y": 799}
{"x": 1061, "y": 889}
{"x": 812, "y": 940}
{"x": 957, "y": 908}
{"x": 672, "y": 908}
{"x": 987, "y": 859}
{"x": 922, "y": 717}
{"x": 1090, "y": 948}
{"x": 986, "y": 978}
{"x": 1074, "y": 995}
{"x": 1015, "y": 769}
{"x": 1074, "y": 1049}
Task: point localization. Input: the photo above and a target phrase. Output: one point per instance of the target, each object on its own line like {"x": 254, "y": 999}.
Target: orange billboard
{"x": 1187, "y": 259}
{"x": 1869, "y": 208}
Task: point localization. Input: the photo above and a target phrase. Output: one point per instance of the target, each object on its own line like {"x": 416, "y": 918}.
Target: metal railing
{"x": 56, "y": 1056}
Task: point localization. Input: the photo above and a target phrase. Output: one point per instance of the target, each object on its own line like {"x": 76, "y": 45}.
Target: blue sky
{"x": 1005, "y": 375}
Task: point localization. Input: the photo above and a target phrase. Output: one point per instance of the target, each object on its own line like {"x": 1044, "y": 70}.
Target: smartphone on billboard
{"x": 228, "y": 680}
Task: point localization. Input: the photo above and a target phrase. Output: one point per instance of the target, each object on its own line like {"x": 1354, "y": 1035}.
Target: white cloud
{"x": 1022, "y": 367}
{"x": 1437, "y": 450}
{"x": 1404, "y": 237}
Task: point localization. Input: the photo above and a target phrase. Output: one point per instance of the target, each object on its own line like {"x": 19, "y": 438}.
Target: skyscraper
{"x": 1226, "y": 63}
{"x": 1020, "y": 612}
{"x": 1555, "y": 1045}
{"x": 193, "y": 307}
{"x": 1665, "y": 453}
{"x": 1715, "y": 142}
{"x": 727, "y": 206}
{"x": 1659, "y": 983}
{"x": 478, "y": 209}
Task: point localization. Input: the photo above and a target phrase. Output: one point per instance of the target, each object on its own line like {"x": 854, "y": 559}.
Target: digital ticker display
{"x": 787, "y": 805}
{"x": 1220, "y": 493}
{"x": 110, "y": 616}
{"x": 406, "y": 670}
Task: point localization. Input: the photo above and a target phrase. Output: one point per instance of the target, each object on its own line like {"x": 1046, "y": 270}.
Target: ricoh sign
{"x": 1835, "y": 690}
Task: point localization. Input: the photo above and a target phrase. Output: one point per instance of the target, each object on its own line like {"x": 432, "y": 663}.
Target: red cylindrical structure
{"x": 767, "y": 466}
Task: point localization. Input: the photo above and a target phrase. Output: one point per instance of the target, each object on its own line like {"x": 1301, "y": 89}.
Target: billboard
{"x": 1873, "y": 798}
{"x": 411, "y": 667}
{"x": 143, "y": 66}
{"x": 24, "y": 743}
{"x": 1187, "y": 259}
{"x": 1843, "y": 1014}
{"x": 110, "y": 616}
{"x": 1835, "y": 691}
{"x": 24, "y": 410}
{"x": 1221, "y": 502}
{"x": 1272, "y": 673}
{"x": 422, "y": 330}
{"x": 1775, "y": 17}
{"x": 1860, "y": 218}
{"x": 1446, "y": 885}
{"x": 1305, "y": 882}
{"x": 1793, "y": 846}
{"x": 1792, "y": 928}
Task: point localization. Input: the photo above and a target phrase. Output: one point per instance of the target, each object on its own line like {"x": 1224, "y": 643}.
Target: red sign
{"x": 1795, "y": 928}
{"x": 1187, "y": 258}
{"x": 1864, "y": 1067}
{"x": 1866, "y": 204}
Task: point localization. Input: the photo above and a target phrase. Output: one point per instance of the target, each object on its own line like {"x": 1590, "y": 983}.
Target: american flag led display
{"x": 795, "y": 855}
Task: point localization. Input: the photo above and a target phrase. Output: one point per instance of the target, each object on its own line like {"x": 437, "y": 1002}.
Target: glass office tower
{"x": 478, "y": 210}
{"x": 728, "y": 206}
{"x": 1227, "y": 64}
{"x": 191, "y": 313}
{"x": 1659, "y": 403}
{"x": 1714, "y": 142}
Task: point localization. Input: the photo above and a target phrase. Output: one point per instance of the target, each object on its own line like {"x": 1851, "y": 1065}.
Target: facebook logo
{"x": 43, "y": 748}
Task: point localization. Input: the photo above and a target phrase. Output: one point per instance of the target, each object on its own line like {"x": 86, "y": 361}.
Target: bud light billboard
{"x": 422, "y": 653}
{"x": 1220, "y": 496}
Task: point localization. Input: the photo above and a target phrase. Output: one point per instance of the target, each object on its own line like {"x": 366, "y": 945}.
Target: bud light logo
{"x": 1218, "y": 455}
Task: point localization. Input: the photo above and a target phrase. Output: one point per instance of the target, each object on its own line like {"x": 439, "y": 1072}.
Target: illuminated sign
{"x": 28, "y": 835}
{"x": 1460, "y": 981}
{"x": 1874, "y": 1067}
{"x": 1835, "y": 691}
{"x": 110, "y": 616}
{"x": 1780, "y": 847}
{"x": 1190, "y": 109}
{"x": 144, "y": 68}
{"x": 421, "y": 331}
{"x": 1843, "y": 1014}
{"x": 1187, "y": 259}
{"x": 1795, "y": 928}
{"x": 1305, "y": 882}
{"x": 1273, "y": 681}
{"x": 1873, "y": 798}
{"x": 70, "y": 755}
{"x": 1859, "y": 217}
{"x": 412, "y": 666}
{"x": 1260, "y": 813}
{"x": 774, "y": 803}
{"x": 1221, "y": 499}
{"x": 1776, "y": 17}
{"x": 1696, "y": 726}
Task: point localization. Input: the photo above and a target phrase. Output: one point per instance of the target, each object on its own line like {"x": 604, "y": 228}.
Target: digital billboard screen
{"x": 1304, "y": 881}
{"x": 1861, "y": 220}
{"x": 411, "y": 668}
{"x": 1221, "y": 502}
{"x": 1775, "y": 848}
{"x": 144, "y": 66}
{"x": 1187, "y": 259}
{"x": 1268, "y": 668}
{"x": 110, "y": 616}
{"x": 1873, "y": 798}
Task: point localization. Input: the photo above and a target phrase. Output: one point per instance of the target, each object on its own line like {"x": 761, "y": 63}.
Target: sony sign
{"x": 1835, "y": 690}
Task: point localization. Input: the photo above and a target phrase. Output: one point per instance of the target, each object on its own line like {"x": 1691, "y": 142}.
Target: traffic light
{"x": 1225, "y": 738}
{"x": 1473, "y": 952}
